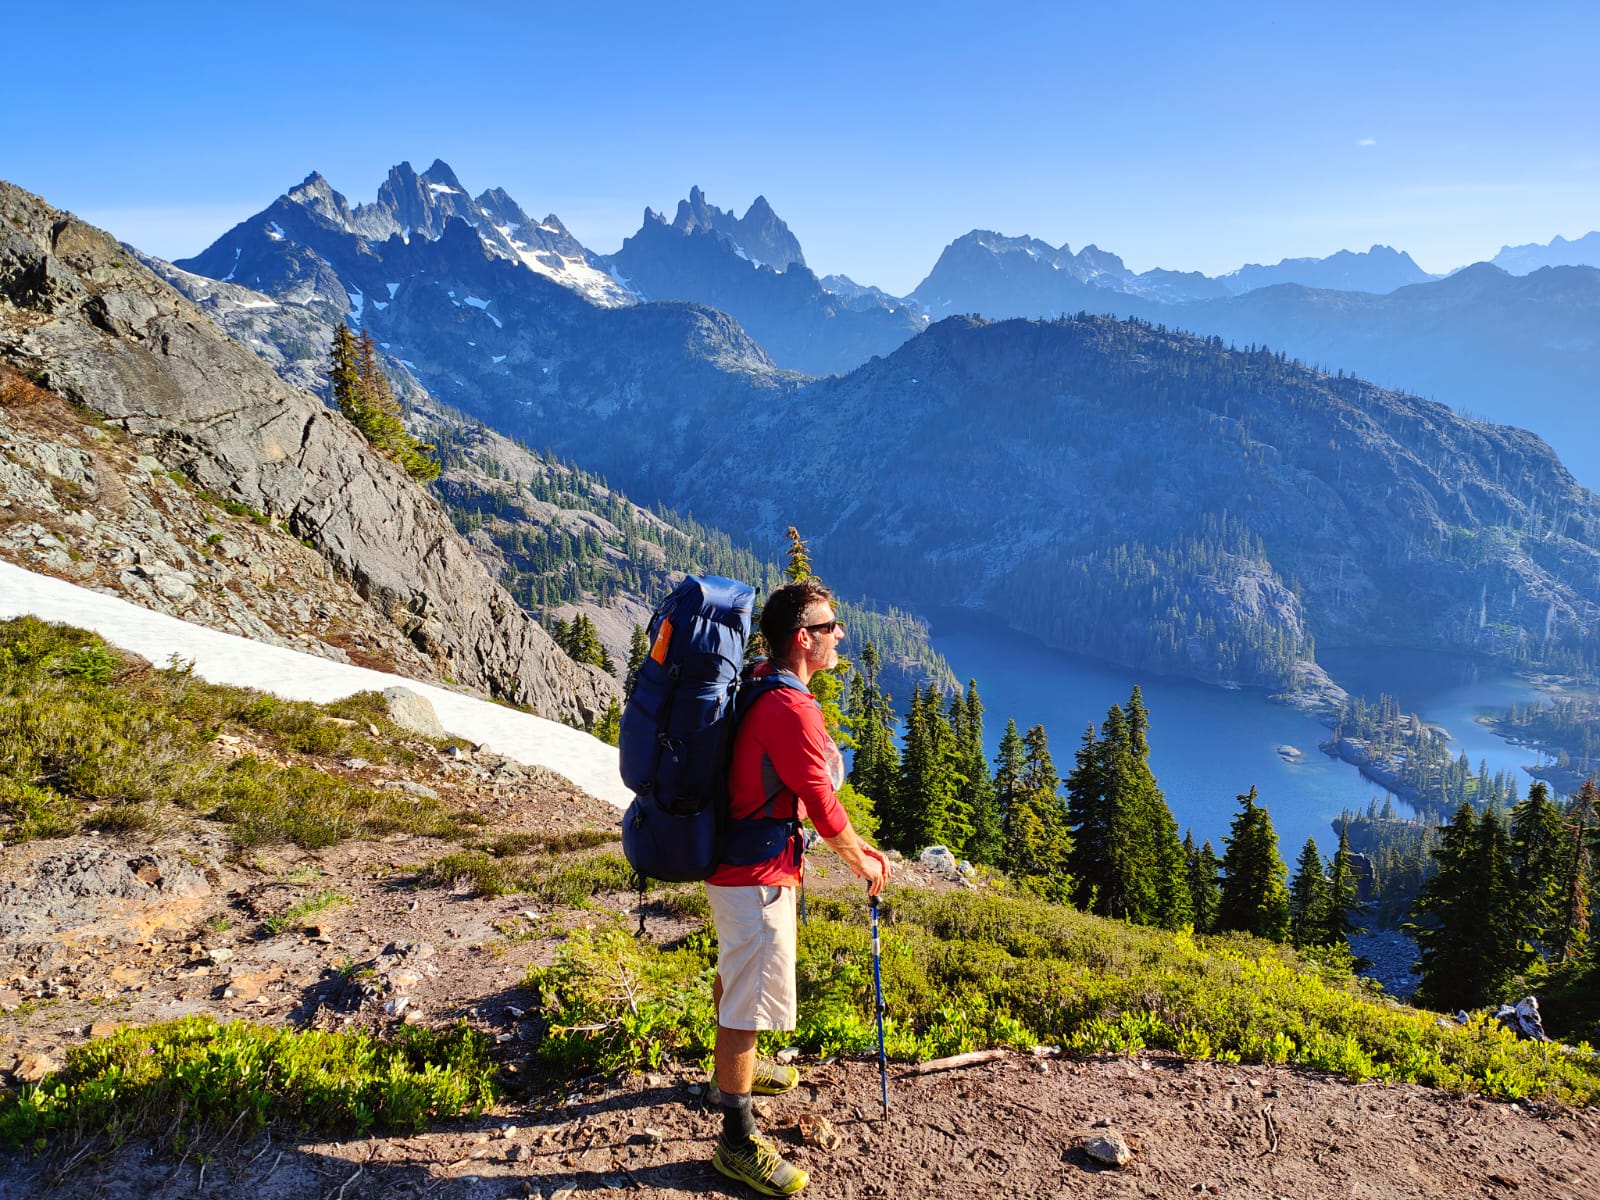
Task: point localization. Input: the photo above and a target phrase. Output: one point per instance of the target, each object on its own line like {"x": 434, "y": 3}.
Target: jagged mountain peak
{"x": 318, "y": 196}
{"x": 760, "y": 235}
{"x": 694, "y": 213}
{"x": 439, "y": 172}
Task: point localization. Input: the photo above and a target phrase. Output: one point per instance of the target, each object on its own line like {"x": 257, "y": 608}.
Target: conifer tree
{"x": 1205, "y": 892}
{"x": 1465, "y": 919}
{"x": 978, "y": 796}
{"x": 344, "y": 372}
{"x": 1573, "y": 931}
{"x": 1255, "y": 897}
{"x": 1130, "y": 887}
{"x": 609, "y": 727}
{"x": 826, "y": 686}
{"x": 1089, "y": 816}
{"x": 1127, "y": 859}
{"x": 1174, "y": 900}
{"x": 1308, "y": 897}
{"x": 638, "y": 647}
{"x": 927, "y": 808}
{"x": 798, "y": 566}
{"x": 362, "y": 393}
{"x": 875, "y": 766}
{"x": 1007, "y": 780}
{"x": 1343, "y": 901}
{"x": 1038, "y": 844}
{"x": 1537, "y": 845}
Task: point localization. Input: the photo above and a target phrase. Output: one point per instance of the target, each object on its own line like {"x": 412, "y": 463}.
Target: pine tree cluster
{"x": 1509, "y": 903}
{"x": 581, "y": 642}
{"x": 1415, "y": 757}
{"x": 362, "y": 393}
{"x": 1126, "y": 858}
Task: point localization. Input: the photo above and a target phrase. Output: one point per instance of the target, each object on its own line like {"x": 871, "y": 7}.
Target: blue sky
{"x": 1188, "y": 136}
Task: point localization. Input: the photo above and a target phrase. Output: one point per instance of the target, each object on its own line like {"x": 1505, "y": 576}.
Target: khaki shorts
{"x": 755, "y": 955}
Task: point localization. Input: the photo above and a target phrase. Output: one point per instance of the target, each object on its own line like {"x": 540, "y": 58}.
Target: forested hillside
{"x": 1232, "y": 506}
{"x": 567, "y": 545}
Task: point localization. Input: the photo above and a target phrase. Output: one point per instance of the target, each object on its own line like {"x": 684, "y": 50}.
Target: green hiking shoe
{"x": 761, "y": 1166}
{"x": 771, "y": 1079}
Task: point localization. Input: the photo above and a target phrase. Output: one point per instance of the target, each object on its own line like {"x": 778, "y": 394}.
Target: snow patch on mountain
{"x": 228, "y": 659}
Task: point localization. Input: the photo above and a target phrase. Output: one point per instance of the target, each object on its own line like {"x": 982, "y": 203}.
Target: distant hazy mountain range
{"x": 1231, "y": 506}
{"x": 1524, "y": 260}
{"x": 1514, "y": 343}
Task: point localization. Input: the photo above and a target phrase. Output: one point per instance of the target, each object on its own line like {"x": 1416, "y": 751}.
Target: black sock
{"x": 738, "y": 1119}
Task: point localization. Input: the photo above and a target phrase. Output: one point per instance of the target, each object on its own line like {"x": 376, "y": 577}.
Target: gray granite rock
{"x": 80, "y": 313}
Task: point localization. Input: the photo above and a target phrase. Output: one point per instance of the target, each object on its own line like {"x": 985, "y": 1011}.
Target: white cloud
{"x": 1367, "y": 141}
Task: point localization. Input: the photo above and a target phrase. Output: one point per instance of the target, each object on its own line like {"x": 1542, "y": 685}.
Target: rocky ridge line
{"x": 81, "y": 317}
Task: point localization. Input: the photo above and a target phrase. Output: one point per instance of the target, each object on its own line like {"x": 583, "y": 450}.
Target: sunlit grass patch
{"x": 92, "y": 738}
{"x": 180, "y": 1076}
{"x": 311, "y": 905}
{"x": 562, "y": 879}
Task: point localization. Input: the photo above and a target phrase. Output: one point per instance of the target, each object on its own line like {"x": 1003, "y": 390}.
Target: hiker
{"x": 784, "y": 765}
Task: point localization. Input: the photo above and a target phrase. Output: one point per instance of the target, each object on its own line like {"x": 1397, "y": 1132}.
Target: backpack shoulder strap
{"x": 750, "y": 692}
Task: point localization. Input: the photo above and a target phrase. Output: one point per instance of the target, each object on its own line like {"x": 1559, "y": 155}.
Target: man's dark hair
{"x": 784, "y": 610}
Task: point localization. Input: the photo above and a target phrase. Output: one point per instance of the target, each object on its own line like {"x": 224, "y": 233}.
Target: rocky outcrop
{"x": 88, "y": 323}
{"x": 760, "y": 234}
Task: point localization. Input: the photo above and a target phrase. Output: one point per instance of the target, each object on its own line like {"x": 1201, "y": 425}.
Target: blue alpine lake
{"x": 1208, "y": 745}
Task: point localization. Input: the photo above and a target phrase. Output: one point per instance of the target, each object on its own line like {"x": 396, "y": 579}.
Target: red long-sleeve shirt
{"x": 782, "y": 745}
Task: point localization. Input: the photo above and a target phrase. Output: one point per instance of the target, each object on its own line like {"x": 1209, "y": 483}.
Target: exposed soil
{"x": 98, "y": 932}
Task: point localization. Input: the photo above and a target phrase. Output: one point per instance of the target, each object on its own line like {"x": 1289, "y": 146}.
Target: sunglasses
{"x": 825, "y": 627}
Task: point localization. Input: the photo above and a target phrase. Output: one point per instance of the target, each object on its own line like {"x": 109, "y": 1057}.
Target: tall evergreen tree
{"x": 1007, "y": 781}
{"x": 1537, "y": 847}
{"x": 1573, "y": 931}
{"x": 344, "y": 371}
{"x": 920, "y": 815}
{"x": 977, "y": 791}
{"x": 1308, "y": 897}
{"x": 1205, "y": 892}
{"x": 1127, "y": 858}
{"x": 1343, "y": 900}
{"x": 638, "y": 647}
{"x": 362, "y": 393}
{"x": 1089, "y": 815}
{"x": 1038, "y": 845}
{"x": 1255, "y": 896}
{"x": 1465, "y": 919}
{"x": 875, "y": 766}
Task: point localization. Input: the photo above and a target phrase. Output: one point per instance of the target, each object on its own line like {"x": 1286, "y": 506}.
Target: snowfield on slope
{"x": 225, "y": 658}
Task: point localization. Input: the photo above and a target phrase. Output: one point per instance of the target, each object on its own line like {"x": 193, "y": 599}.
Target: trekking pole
{"x": 877, "y": 981}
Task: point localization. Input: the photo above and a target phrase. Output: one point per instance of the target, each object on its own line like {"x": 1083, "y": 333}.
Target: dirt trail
{"x": 1014, "y": 1128}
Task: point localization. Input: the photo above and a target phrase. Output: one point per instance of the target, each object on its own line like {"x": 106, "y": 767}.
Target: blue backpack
{"x": 676, "y": 738}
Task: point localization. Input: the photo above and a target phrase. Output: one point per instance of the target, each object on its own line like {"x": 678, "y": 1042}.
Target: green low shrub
{"x": 964, "y": 971}
{"x": 194, "y": 1073}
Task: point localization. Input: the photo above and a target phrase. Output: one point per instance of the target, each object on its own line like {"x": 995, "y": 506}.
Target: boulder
{"x": 411, "y": 711}
{"x": 1109, "y": 1149}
